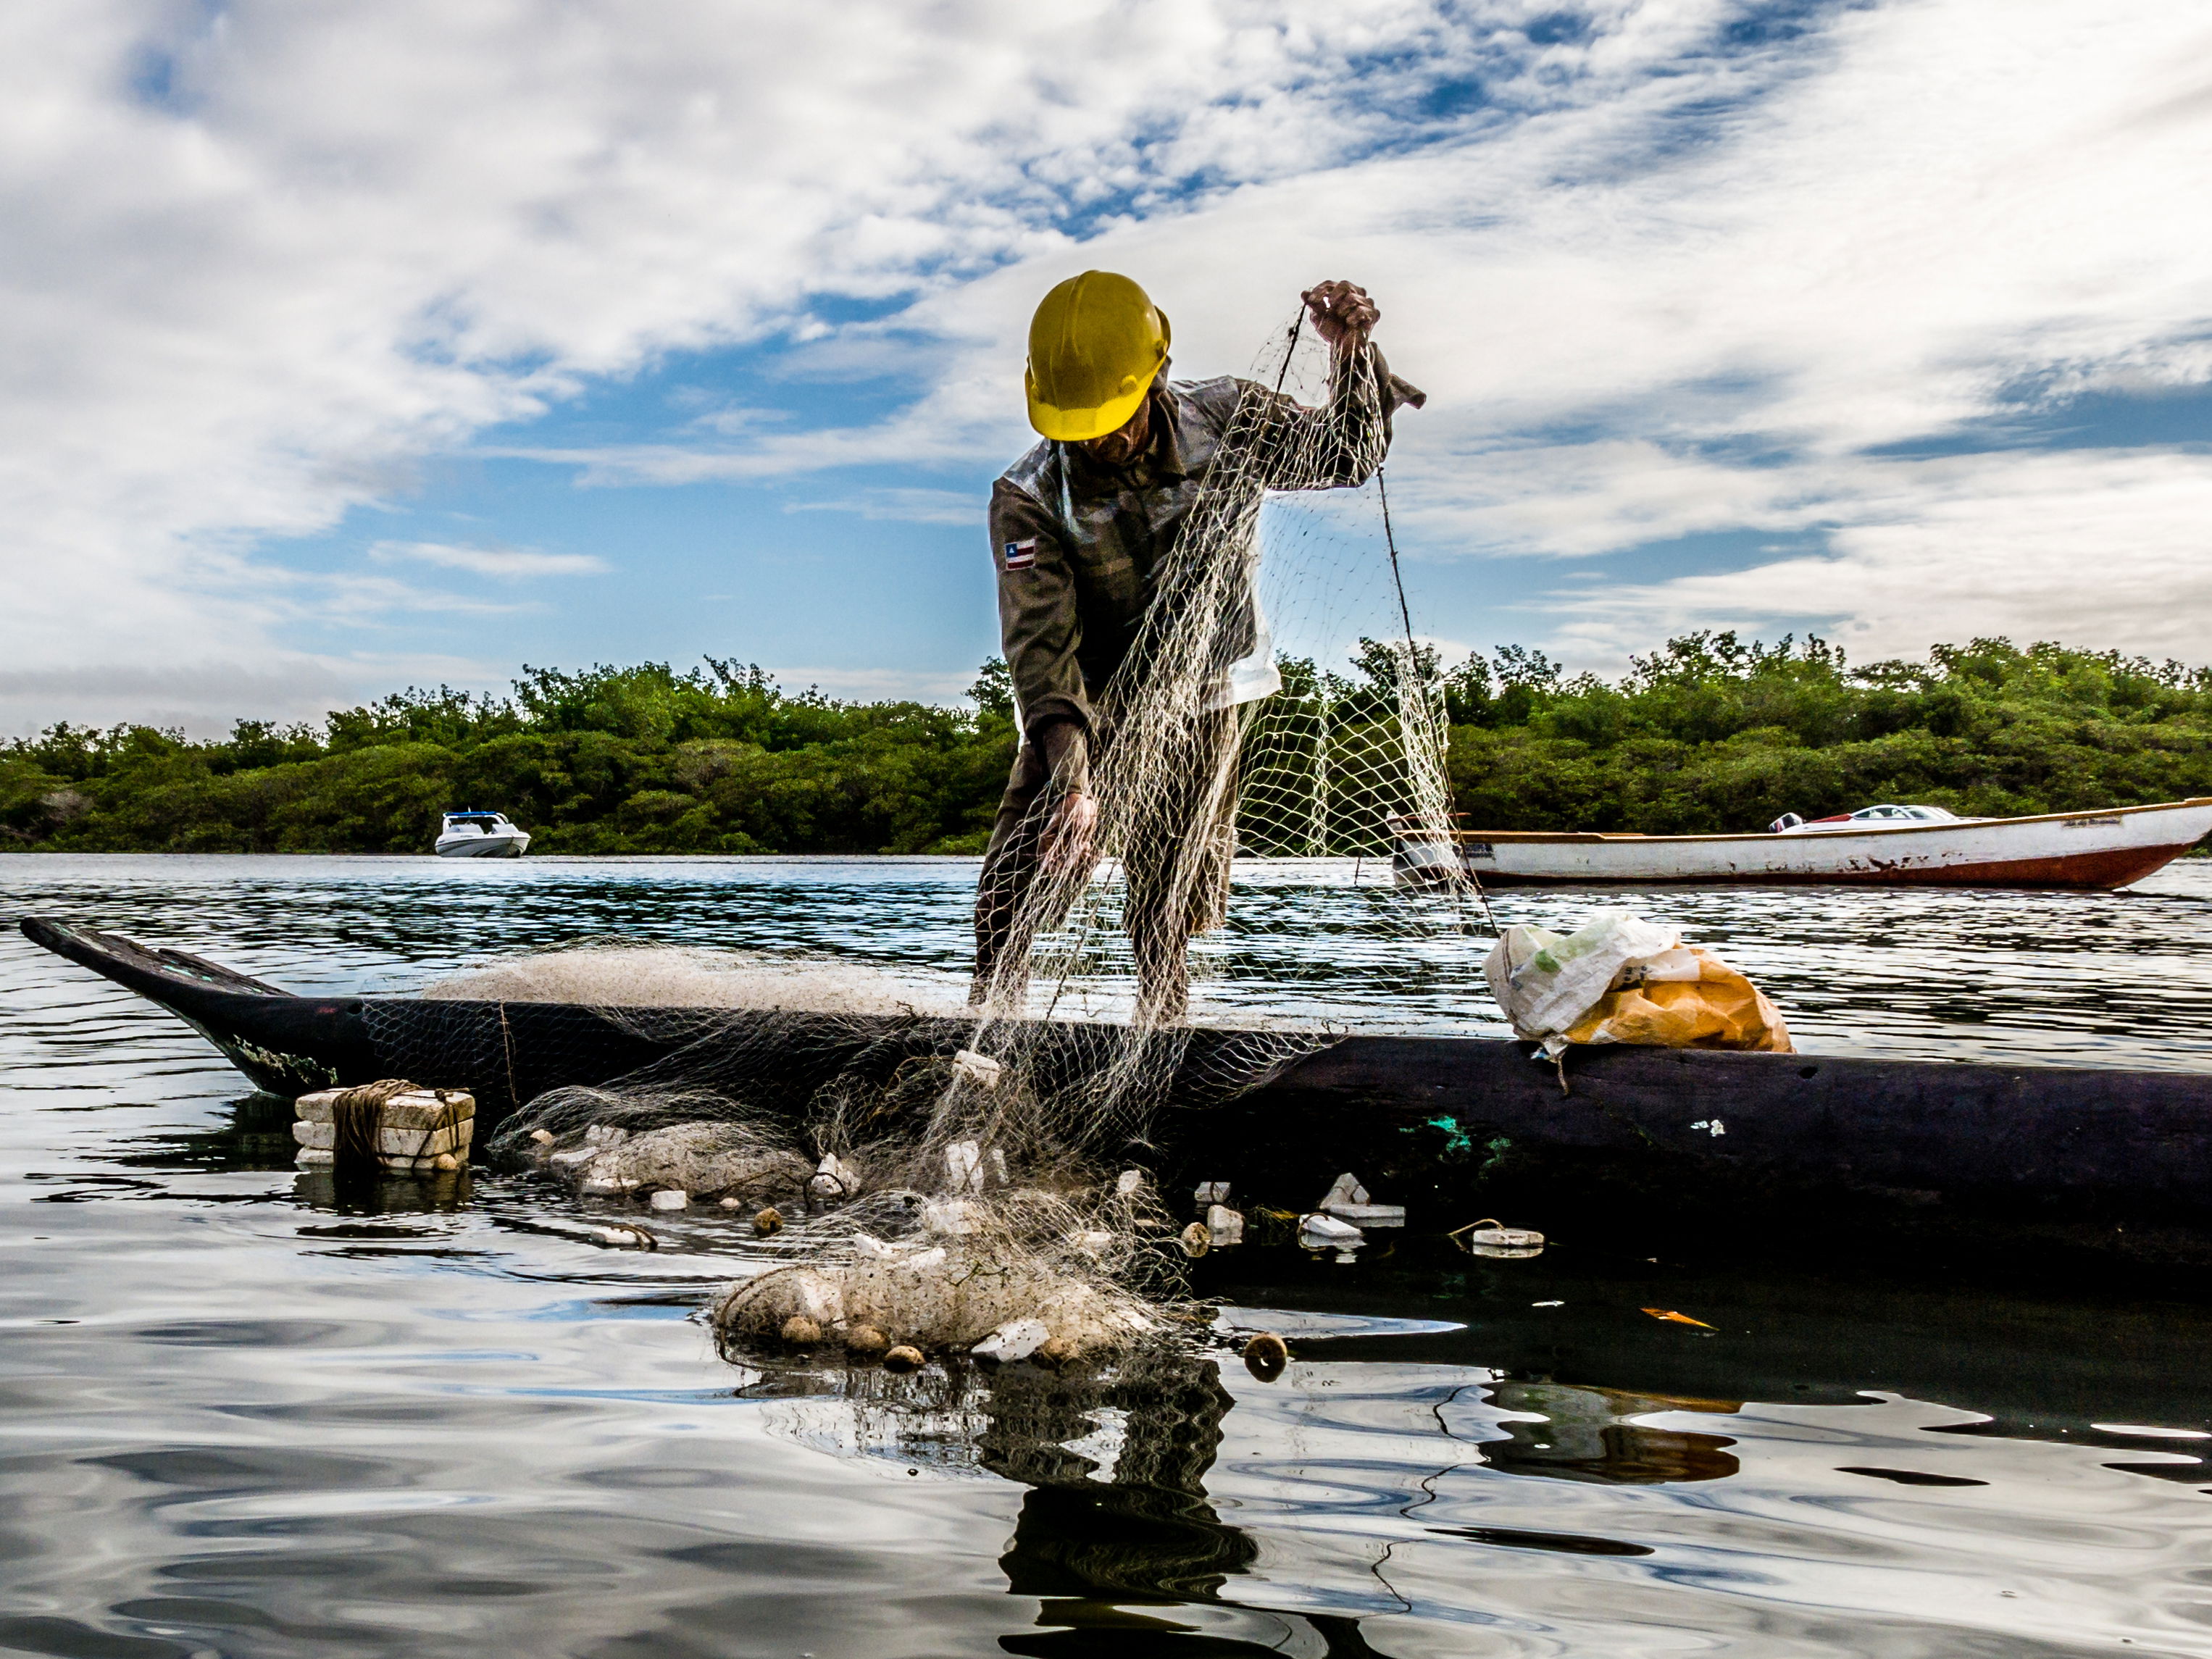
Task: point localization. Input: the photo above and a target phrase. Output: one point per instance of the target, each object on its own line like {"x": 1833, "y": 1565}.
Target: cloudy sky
{"x": 355, "y": 344}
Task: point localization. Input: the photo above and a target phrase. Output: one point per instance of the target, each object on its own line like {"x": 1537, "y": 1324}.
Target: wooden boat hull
{"x": 2104, "y": 1157}
{"x": 2087, "y": 850}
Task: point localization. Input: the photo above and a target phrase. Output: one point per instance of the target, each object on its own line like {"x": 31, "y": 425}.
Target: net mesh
{"x": 943, "y": 1177}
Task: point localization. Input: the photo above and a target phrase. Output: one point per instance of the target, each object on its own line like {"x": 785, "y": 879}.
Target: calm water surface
{"x": 246, "y": 1414}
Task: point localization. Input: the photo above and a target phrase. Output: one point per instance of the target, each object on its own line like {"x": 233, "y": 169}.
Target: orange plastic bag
{"x": 1619, "y": 978}
{"x": 1718, "y": 1009}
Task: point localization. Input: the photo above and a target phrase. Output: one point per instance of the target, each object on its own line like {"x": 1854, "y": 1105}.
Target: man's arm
{"x": 1344, "y": 443}
{"x": 1039, "y": 626}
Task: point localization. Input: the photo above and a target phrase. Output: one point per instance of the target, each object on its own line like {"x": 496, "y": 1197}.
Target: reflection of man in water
{"x": 1082, "y": 529}
{"x": 1151, "y": 1531}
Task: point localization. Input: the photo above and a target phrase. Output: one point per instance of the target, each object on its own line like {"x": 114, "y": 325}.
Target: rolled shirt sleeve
{"x": 1341, "y": 444}
{"x": 1040, "y": 625}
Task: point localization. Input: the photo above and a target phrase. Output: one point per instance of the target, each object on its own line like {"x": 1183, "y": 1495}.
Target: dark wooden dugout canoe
{"x": 1446, "y": 1120}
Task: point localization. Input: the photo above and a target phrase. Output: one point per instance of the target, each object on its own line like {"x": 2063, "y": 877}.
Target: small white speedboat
{"x": 481, "y": 835}
{"x": 1886, "y": 846}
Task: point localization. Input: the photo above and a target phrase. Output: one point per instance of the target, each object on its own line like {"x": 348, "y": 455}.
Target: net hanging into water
{"x": 940, "y": 1176}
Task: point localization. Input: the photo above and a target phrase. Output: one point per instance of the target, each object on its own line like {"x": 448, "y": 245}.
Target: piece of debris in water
{"x": 699, "y": 1160}
{"x": 1368, "y": 1216}
{"x": 1318, "y": 1231}
{"x": 834, "y": 1181}
{"x": 1266, "y": 1356}
{"x": 945, "y": 1298}
{"x": 1347, "y": 1201}
{"x": 965, "y": 1162}
{"x": 1196, "y": 1240}
{"x": 1491, "y": 1238}
{"x": 1345, "y": 1189}
{"x": 1211, "y": 1192}
{"x": 1673, "y": 1318}
{"x": 392, "y": 1124}
{"x": 979, "y": 1069}
{"x": 958, "y": 1217}
{"x": 1018, "y": 1339}
{"x": 1225, "y": 1226}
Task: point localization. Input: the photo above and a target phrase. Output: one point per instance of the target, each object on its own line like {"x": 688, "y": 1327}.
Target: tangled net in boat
{"x": 825, "y": 1131}
{"x": 945, "y": 1178}
{"x": 618, "y": 973}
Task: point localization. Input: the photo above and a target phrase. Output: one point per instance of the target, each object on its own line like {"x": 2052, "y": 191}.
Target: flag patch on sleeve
{"x": 1020, "y": 556}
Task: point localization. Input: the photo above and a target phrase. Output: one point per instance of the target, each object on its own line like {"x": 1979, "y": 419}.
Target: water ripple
{"x": 252, "y": 1418}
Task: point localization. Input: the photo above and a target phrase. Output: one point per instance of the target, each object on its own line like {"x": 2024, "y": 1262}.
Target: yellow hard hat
{"x": 1096, "y": 345}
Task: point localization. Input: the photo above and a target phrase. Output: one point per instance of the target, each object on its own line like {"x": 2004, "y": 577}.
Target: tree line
{"x": 1711, "y": 733}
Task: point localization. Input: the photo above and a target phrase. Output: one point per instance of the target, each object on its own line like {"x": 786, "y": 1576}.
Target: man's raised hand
{"x": 1342, "y": 313}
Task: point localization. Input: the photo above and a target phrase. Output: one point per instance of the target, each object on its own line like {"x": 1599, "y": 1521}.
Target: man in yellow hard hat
{"x": 1084, "y": 531}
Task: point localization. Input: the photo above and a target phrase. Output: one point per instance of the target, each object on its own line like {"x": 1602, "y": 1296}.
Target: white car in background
{"x": 1867, "y": 818}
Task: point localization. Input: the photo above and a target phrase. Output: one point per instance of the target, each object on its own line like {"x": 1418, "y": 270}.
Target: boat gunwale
{"x": 148, "y": 975}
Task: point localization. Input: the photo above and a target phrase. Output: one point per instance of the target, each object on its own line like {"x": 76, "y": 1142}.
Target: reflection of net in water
{"x": 963, "y": 1178}
{"x": 1116, "y": 1460}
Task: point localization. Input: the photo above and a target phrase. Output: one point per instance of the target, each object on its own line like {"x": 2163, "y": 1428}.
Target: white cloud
{"x": 203, "y": 700}
{"x": 507, "y": 563}
{"x": 1917, "y": 221}
{"x": 945, "y": 507}
{"x": 342, "y": 239}
{"x": 2019, "y": 544}
{"x": 1654, "y": 286}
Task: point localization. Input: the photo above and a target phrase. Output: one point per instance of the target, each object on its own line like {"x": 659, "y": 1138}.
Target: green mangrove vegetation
{"x": 1711, "y": 734}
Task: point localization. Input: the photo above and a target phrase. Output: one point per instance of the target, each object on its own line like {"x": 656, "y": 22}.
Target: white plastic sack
{"x": 1620, "y": 979}
{"x": 1545, "y": 983}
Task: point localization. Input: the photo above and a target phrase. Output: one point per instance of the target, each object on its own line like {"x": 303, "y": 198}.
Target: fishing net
{"x": 938, "y": 1177}
{"x": 1311, "y": 787}
{"x": 627, "y": 973}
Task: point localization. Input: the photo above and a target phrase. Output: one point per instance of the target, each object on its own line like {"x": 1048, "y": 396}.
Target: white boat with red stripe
{"x": 1888, "y": 846}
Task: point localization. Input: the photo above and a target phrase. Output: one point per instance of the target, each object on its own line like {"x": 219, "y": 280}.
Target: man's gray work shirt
{"x": 1080, "y": 545}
